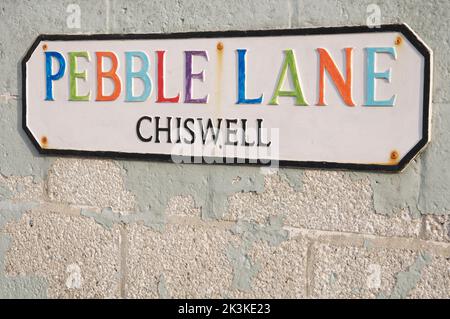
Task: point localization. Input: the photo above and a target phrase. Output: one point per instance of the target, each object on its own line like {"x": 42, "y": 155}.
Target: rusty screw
{"x": 394, "y": 155}
{"x": 44, "y": 47}
{"x": 398, "y": 41}
{"x": 44, "y": 140}
{"x": 219, "y": 46}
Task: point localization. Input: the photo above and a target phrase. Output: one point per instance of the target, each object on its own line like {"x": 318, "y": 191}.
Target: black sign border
{"x": 401, "y": 28}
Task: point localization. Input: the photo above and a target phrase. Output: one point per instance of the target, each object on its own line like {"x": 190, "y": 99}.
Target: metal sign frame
{"x": 401, "y": 28}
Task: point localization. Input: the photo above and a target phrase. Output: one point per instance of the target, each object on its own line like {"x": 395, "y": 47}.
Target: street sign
{"x": 345, "y": 97}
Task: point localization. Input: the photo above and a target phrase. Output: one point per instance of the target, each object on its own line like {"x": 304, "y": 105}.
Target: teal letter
{"x": 371, "y": 76}
{"x": 141, "y": 74}
{"x": 48, "y": 70}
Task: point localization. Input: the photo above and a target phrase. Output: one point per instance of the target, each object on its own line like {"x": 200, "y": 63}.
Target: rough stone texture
{"x": 145, "y": 16}
{"x": 434, "y": 281}
{"x": 154, "y": 184}
{"x": 21, "y": 188}
{"x": 96, "y": 183}
{"x": 355, "y": 272}
{"x": 76, "y": 256}
{"x": 18, "y": 157}
{"x": 182, "y": 206}
{"x": 189, "y": 259}
{"x": 281, "y": 270}
{"x": 22, "y": 286}
{"x": 435, "y": 174}
{"x": 392, "y": 192}
{"x": 326, "y": 201}
{"x": 437, "y": 227}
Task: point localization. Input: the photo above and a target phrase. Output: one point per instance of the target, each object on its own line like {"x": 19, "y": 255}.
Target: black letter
{"x": 189, "y": 130}
{"x": 244, "y": 138}
{"x": 209, "y": 127}
{"x": 229, "y": 132}
{"x": 261, "y": 143}
{"x": 178, "y": 129}
{"x": 138, "y": 129}
{"x": 163, "y": 129}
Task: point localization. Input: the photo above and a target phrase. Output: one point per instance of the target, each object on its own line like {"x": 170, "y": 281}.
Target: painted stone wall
{"x": 74, "y": 227}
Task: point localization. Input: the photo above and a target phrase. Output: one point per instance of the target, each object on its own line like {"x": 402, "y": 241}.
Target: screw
{"x": 44, "y": 140}
{"x": 44, "y": 47}
{"x": 394, "y": 155}
{"x": 220, "y": 46}
{"x": 398, "y": 40}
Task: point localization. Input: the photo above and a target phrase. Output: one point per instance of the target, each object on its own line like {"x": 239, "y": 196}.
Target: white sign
{"x": 347, "y": 97}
